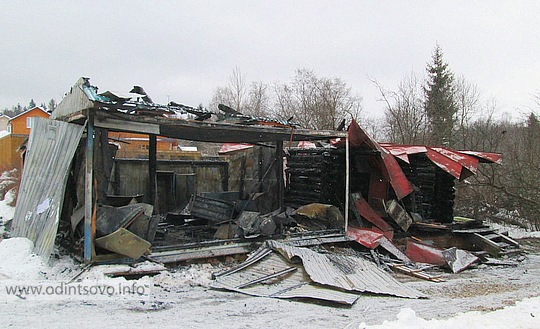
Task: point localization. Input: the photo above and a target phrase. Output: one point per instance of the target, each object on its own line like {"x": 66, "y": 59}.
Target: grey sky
{"x": 185, "y": 49}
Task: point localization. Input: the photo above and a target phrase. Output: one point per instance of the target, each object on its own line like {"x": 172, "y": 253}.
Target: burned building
{"x": 73, "y": 176}
{"x": 270, "y": 180}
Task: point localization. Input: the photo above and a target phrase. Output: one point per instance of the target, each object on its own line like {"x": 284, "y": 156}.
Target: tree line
{"x": 313, "y": 102}
{"x": 18, "y": 109}
{"x": 436, "y": 109}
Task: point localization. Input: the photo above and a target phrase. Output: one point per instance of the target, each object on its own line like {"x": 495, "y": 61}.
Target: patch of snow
{"x": 9, "y": 174}
{"x": 194, "y": 275}
{"x": 525, "y": 314}
{"x": 18, "y": 261}
{"x": 515, "y": 232}
{"x": 6, "y": 211}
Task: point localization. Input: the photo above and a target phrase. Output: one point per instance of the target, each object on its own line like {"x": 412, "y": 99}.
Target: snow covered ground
{"x": 482, "y": 297}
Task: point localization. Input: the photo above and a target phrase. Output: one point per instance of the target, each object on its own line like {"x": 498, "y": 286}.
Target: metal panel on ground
{"x": 267, "y": 274}
{"x": 51, "y": 147}
{"x": 352, "y": 274}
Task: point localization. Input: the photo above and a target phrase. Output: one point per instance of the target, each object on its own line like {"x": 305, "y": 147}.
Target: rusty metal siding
{"x": 51, "y": 147}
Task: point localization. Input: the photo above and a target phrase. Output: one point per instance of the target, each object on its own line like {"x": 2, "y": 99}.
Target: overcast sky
{"x": 183, "y": 50}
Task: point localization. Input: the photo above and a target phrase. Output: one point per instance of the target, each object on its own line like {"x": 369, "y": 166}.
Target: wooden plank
{"x": 476, "y": 230}
{"x": 201, "y": 253}
{"x": 152, "y": 168}
{"x": 491, "y": 247}
{"x": 89, "y": 190}
{"x": 279, "y": 174}
{"x": 124, "y": 242}
{"x": 399, "y": 215}
{"x": 126, "y": 125}
{"x": 419, "y": 274}
{"x": 508, "y": 240}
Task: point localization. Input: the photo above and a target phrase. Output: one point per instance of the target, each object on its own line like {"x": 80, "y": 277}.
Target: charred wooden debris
{"x": 353, "y": 210}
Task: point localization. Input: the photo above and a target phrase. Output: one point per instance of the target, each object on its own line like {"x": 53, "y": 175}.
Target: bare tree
{"x": 405, "y": 118}
{"x": 254, "y": 100}
{"x": 466, "y": 100}
{"x": 512, "y": 187}
{"x": 316, "y": 103}
{"x": 233, "y": 95}
{"x": 258, "y": 103}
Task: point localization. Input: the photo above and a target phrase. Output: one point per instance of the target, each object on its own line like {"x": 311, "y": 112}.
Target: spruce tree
{"x": 439, "y": 103}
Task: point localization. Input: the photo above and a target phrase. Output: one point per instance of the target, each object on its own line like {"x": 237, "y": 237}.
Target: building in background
{"x": 18, "y": 129}
{"x": 4, "y": 122}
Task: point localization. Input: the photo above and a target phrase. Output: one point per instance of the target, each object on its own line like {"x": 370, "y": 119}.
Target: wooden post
{"x": 279, "y": 174}
{"x": 347, "y": 169}
{"x": 152, "y": 168}
{"x": 89, "y": 190}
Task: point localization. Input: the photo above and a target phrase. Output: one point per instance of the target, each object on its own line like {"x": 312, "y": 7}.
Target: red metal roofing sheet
{"x": 486, "y": 157}
{"x": 389, "y": 166}
{"x": 467, "y": 161}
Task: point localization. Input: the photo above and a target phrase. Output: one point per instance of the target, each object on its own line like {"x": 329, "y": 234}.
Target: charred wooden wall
{"x": 247, "y": 168}
{"x": 177, "y": 179}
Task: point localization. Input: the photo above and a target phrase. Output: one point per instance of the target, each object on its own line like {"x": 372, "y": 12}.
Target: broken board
{"x": 124, "y": 243}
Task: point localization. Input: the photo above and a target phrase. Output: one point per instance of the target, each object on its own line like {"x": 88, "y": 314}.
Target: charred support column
{"x": 279, "y": 174}
{"x": 152, "y": 168}
{"x": 347, "y": 178}
{"x": 89, "y": 190}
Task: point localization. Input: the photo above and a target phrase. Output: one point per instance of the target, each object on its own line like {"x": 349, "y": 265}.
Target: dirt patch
{"x": 468, "y": 290}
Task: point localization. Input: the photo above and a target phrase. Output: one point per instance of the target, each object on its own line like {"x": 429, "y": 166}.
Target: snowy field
{"x": 482, "y": 297}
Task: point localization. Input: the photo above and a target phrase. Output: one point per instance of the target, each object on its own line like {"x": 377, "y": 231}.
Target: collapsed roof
{"x": 130, "y": 112}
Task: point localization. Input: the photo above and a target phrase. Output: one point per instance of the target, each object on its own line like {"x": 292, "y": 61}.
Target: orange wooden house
{"x": 19, "y": 129}
{"x": 132, "y": 145}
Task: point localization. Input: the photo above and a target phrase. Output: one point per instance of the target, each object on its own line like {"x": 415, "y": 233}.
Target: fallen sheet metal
{"x": 460, "y": 164}
{"x": 364, "y": 209}
{"x": 422, "y": 253}
{"x": 268, "y": 274}
{"x": 458, "y": 259}
{"x": 346, "y": 272}
{"x": 125, "y": 243}
{"x": 392, "y": 249}
{"x": 274, "y": 271}
{"x": 366, "y": 237}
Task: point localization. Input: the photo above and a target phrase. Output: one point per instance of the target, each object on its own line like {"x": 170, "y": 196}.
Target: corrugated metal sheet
{"x": 486, "y": 157}
{"x": 346, "y": 272}
{"x": 453, "y": 162}
{"x": 321, "y": 276}
{"x": 387, "y": 163}
{"x": 51, "y": 147}
{"x": 294, "y": 284}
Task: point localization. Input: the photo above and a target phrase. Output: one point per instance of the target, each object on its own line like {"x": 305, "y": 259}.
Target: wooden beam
{"x": 347, "y": 173}
{"x": 89, "y": 190}
{"x": 485, "y": 244}
{"x": 126, "y": 125}
{"x": 152, "y": 168}
{"x": 279, "y": 174}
